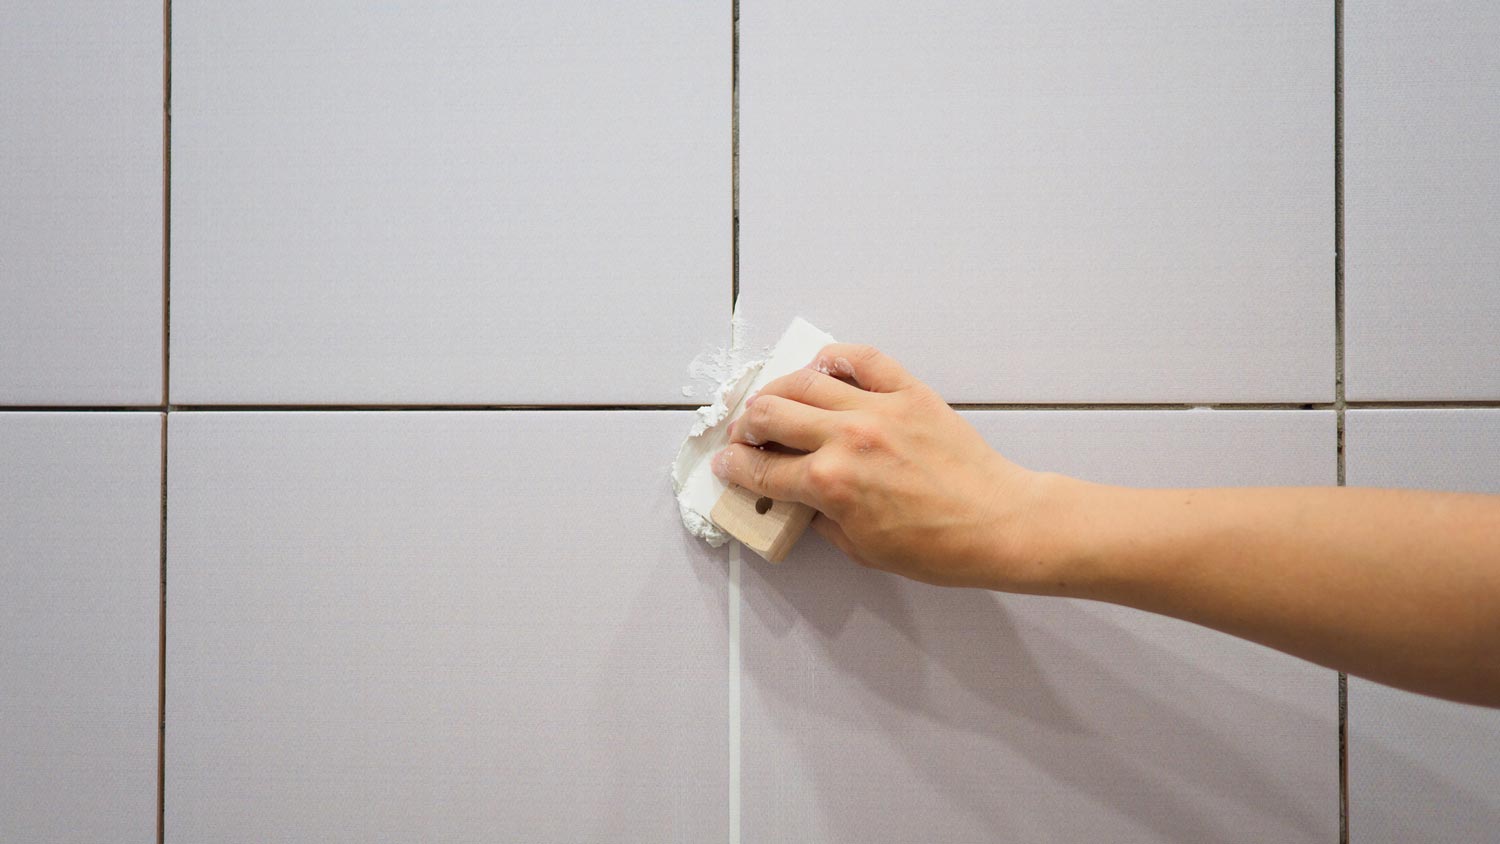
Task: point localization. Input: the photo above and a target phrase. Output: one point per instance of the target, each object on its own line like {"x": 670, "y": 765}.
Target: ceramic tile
{"x": 440, "y": 626}
{"x": 1421, "y": 169}
{"x": 879, "y": 710}
{"x": 81, "y": 215}
{"x": 469, "y": 203}
{"x": 80, "y": 616}
{"x": 1422, "y": 769}
{"x": 1035, "y": 201}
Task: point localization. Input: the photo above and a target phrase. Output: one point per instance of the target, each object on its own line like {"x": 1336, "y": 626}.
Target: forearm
{"x": 1402, "y": 587}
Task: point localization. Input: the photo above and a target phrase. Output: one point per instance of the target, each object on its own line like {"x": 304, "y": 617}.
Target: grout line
{"x": 735, "y": 552}
{"x": 1343, "y": 757}
{"x": 734, "y": 155}
{"x": 735, "y": 557}
{"x": 1484, "y": 404}
{"x": 166, "y": 207}
{"x": 122, "y": 408}
{"x": 1420, "y": 405}
{"x": 422, "y": 408}
{"x": 161, "y": 654}
{"x": 1142, "y": 406}
{"x": 1340, "y": 399}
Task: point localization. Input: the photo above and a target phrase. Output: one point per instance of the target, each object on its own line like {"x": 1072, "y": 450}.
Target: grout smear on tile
{"x": 712, "y": 369}
{"x": 693, "y": 482}
{"x": 723, "y": 374}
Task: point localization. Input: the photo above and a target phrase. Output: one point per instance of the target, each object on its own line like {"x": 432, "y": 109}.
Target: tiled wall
{"x": 335, "y": 408}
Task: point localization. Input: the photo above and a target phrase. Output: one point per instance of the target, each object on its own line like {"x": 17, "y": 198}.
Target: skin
{"x": 1398, "y": 586}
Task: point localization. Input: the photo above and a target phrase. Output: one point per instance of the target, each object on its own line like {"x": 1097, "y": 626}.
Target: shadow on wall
{"x": 1420, "y": 769}
{"x": 666, "y": 741}
{"x": 962, "y": 712}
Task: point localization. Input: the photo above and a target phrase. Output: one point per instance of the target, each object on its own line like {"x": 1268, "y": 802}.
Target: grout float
{"x": 693, "y": 480}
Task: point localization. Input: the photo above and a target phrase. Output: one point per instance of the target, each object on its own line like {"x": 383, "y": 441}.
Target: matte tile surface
{"x": 1047, "y": 201}
{"x": 80, "y": 616}
{"x": 440, "y": 626}
{"x": 80, "y": 202}
{"x": 878, "y": 710}
{"x": 1422, "y": 769}
{"x": 1421, "y": 173}
{"x": 466, "y": 202}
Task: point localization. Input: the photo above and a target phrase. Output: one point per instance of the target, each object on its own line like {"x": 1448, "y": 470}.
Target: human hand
{"x": 901, "y": 482}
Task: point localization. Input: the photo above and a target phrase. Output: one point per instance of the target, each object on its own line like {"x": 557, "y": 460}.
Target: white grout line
{"x": 734, "y": 693}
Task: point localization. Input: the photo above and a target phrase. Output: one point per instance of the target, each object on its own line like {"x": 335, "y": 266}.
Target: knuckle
{"x": 830, "y": 481}
{"x": 801, "y": 382}
{"x": 863, "y": 352}
{"x": 760, "y": 470}
{"x": 862, "y": 436}
{"x": 922, "y": 401}
{"x": 759, "y": 418}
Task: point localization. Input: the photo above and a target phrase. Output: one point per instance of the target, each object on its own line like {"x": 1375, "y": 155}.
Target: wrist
{"x": 1062, "y": 548}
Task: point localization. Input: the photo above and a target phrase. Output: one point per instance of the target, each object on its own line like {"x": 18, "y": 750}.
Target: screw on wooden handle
{"x": 769, "y": 528}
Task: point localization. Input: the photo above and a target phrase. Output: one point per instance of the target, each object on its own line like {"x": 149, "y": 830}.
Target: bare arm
{"x": 1402, "y": 587}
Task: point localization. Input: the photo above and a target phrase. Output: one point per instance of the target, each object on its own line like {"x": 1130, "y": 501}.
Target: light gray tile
{"x": 440, "y": 626}
{"x": 1422, "y": 769}
{"x": 472, "y": 202}
{"x": 1449, "y": 448}
{"x": 1048, "y": 201}
{"x": 81, "y": 202}
{"x": 879, "y": 710}
{"x": 1421, "y": 173}
{"x": 80, "y": 615}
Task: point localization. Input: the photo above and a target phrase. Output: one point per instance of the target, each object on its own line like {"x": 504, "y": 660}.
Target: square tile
{"x": 440, "y": 626}
{"x": 461, "y": 203}
{"x": 1421, "y": 170}
{"x": 881, "y": 710}
{"x": 81, "y": 227}
{"x": 80, "y": 625}
{"x": 1422, "y": 769}
{"x": 1040, "y": 201}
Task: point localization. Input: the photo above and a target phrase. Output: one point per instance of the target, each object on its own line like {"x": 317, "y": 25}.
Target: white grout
{"x": 734, "y": 693}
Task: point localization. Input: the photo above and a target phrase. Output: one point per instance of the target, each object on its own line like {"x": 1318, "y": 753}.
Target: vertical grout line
{"x": 734, "y": 155}
{"x": 733, "y": 596}
{"x": 735, "y": 555}
{"x": 161, "y": 650}
{"x": 166, "y": 207}
{"x": 166, "y": 404}
{"x": 1338, "y": 222}
{"x": 1343, "y": 758}
{"x": 1339, "y": 400}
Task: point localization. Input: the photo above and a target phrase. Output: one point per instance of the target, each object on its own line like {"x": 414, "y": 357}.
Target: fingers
{"x": 773, "y": 419}
{"x": 779, "y": 475}
{"x": 870, "y": 368}
{"x": 813, "y": 387}
{"x": 831, "y": 531}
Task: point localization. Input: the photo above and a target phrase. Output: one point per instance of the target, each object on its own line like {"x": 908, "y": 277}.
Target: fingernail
{"x": 751, "y": 400}
{"x": 721, "y": 463}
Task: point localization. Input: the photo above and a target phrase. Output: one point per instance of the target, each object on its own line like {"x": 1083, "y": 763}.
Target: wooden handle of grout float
{"x": 769, "y": 528}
